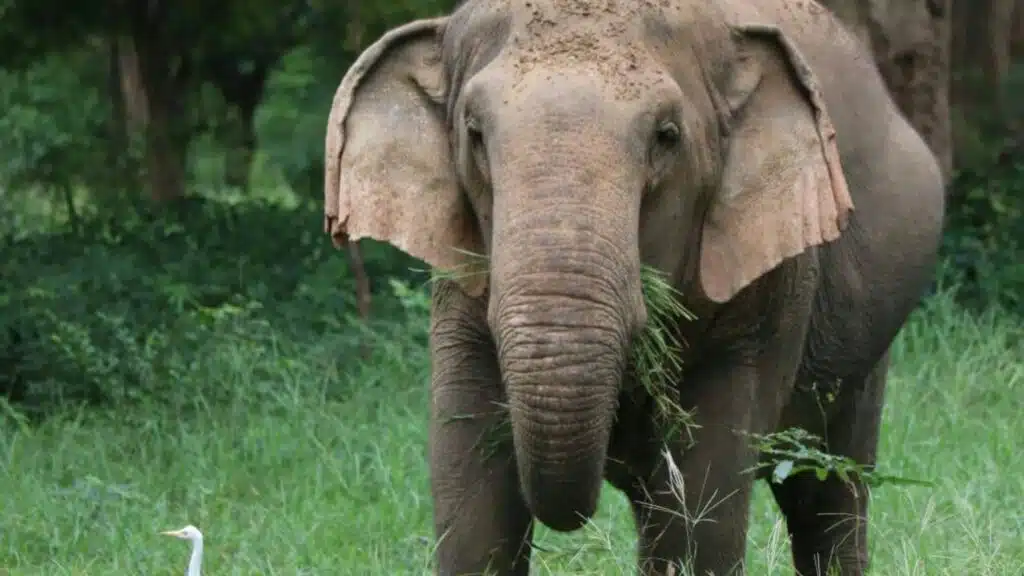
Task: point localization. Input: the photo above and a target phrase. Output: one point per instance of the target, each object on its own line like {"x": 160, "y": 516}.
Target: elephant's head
{"x": 569, "y": 141}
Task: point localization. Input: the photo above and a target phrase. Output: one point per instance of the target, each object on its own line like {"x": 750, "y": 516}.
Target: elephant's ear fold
{"x": 388, "y": 173}
{"x": 782, "y": 189}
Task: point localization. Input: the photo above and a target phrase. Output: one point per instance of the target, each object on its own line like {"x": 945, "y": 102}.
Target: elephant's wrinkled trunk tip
{"x": 562, "y": 405}
{"x": 564, "y": 504}
{"x": 561, "y": 316}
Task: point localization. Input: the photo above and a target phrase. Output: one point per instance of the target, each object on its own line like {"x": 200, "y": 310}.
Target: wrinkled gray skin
{"x": 571, "y": 140}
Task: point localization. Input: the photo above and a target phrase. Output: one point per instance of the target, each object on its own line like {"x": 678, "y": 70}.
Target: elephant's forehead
{"x": 604, "y": 37}
{"x": 615, "y": 20}
{"x": 591, "y": 9}
{"x": 611, "y": 40}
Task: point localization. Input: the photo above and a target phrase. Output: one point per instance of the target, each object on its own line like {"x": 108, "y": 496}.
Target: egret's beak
{"x": 175, "y": 533}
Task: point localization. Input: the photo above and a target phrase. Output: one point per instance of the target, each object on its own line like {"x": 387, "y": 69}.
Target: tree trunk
{"x": 165, "y": 149}
{"x": 1017, "y": 34}
{"x": 910, "y": 41}
{"x": 118, "y": 137}
{"x": 358, "y": 265}
{"x": 241, "y": 149}
{"x": 128, "y": 114}
{"x": 982, "y": 48}
{"x": 163, "y": 78}
{"x": 133, "y": 94}
{"x": 118, "y": 122}
{"x": 242, "y": 91}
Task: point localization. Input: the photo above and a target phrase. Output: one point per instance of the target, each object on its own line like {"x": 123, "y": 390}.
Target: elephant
{"x": 538, "y": 154}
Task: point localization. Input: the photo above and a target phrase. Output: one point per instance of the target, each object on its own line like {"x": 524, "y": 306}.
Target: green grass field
{"x": 319, "y": 478}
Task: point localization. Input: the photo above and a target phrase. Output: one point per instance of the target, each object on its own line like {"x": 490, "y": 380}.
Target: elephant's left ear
{"x": 782, "y": 189}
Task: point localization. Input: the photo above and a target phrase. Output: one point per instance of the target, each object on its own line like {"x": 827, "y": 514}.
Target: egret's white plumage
{"x": 192, "y": 534}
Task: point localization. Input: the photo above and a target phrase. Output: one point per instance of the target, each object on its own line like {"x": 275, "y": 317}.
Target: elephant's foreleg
{"x": 481, "y": 522}
{"x": 827, "y": 520}
{"x": 698, "y": 517}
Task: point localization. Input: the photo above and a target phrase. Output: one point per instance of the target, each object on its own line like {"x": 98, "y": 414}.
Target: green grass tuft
{"x": 476, "y": 264}
{"x": 655, "y": 359}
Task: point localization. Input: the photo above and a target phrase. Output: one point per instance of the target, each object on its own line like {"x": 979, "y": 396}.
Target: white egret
{"x": 193, "y": 534}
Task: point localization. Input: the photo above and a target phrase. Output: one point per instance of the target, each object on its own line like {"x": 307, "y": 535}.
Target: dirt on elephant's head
{"x": 609, "y": 38}
{"x": 603, "y": 36}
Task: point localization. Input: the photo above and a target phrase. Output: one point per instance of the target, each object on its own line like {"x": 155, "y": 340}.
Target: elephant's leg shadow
{"x": 827, "y": 520}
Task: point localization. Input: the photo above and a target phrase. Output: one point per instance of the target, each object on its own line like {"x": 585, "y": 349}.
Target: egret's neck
{"x": 196, "y": 559}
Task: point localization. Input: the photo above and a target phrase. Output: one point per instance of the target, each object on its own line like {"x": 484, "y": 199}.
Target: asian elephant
{"x": 748, "y": 150}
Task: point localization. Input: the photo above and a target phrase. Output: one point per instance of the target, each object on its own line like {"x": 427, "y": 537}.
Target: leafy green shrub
{"x": 55, "y": 133}
{"x": 984, "y": 240}
{"x": 130, "y": 310}
{"x": 983, "y": 245}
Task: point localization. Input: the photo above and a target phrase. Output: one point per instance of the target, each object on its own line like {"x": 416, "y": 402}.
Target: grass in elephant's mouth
{"x": 655, "y": 363}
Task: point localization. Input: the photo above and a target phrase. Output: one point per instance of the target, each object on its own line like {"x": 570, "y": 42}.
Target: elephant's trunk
{"x": 564, "y": 308}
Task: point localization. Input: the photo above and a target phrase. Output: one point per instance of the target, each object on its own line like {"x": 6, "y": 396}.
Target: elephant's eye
{"x": 475, "y": 145}
{"x": 473, "y": 132}
{"x": 665, "y": 146}
{"x": 668, "y": 134}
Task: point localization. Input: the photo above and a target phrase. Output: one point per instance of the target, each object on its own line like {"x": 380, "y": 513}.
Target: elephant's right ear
{"x": 388, "y": 173}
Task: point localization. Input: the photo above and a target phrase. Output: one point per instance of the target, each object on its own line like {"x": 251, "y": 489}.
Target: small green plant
{"x": 794, "y": 450}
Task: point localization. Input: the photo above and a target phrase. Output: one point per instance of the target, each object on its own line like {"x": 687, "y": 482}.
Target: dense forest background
{"x": 160, "y": 159}
{"x": 163, "y": 159}
{"x": 180, "y": 343}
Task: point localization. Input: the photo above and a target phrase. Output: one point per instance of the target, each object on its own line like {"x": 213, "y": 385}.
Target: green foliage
{"x": 56, "y": 132}
{"x": 985, "y": 233}
{"x": 984, "y": 240}
{"x": 117, "y": 308}
{"x": 291, "y": 123}
{"x": 47, "y": 138}
{"x": 33, "y": 28}
{"x": 129, "y": 308}
{"x": 794, "y": 451}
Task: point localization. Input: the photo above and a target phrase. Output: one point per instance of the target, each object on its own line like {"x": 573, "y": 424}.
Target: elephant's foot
{"x": 691, "y": 509}
{"x": 827, "y": 523}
